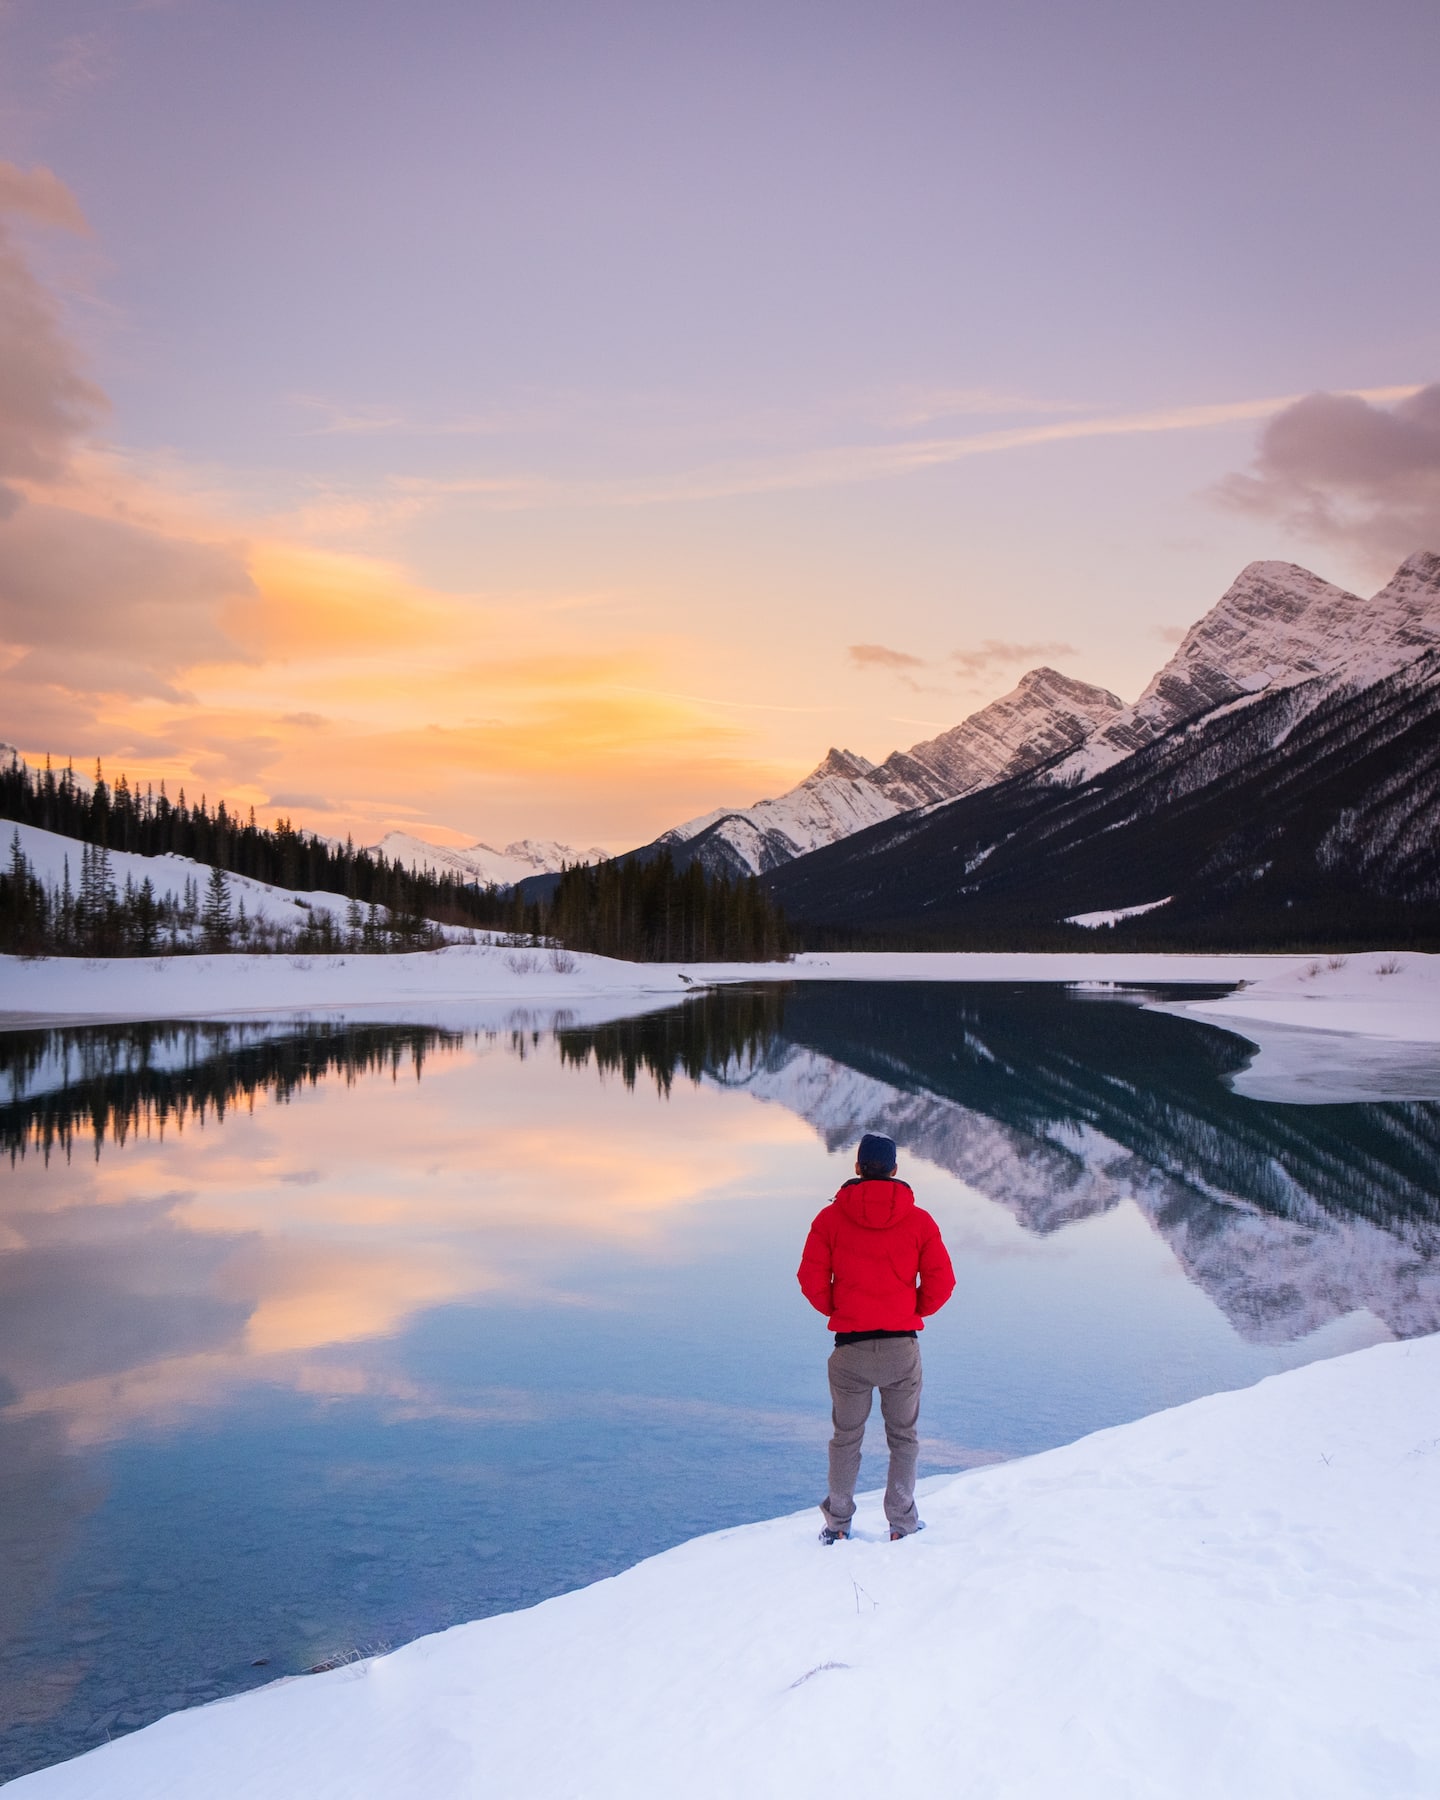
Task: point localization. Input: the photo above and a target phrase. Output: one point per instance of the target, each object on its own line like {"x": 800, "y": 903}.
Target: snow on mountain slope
{"x": 1044, "y": 714}
{"x": 1275, "y": 626}
{"x": 479, "y": 862}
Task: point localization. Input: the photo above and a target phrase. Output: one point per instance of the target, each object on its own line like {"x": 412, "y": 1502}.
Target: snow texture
{"x": 1232, "y": 1600}
{"x": 1363, "y": 1027}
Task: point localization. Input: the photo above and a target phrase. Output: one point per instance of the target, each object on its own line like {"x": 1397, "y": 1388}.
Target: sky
{"x": 560, "y": 419}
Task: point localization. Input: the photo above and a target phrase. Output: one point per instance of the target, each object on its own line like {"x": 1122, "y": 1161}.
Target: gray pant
{"x": 856, "y": 1370}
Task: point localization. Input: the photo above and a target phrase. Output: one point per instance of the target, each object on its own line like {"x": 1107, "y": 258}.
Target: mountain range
{"x": 1277, "y": 782}
{"x": 479, "y": 862}
{"x": 1276, "y": 626}
{"x": 1044, "y": 715}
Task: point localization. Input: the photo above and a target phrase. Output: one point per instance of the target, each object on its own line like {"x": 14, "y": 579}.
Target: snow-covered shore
{"x": 176, "y": 987}
{"x": 1383, "y": 994}
{"x": 1233, "y": 1600}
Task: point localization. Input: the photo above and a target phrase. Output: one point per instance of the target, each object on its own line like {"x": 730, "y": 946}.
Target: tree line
{"x": 648, "y": 911}
{"x": 121, "y": 817}
{"x": 642, "y": 911}
{"x": 90, "y": 914}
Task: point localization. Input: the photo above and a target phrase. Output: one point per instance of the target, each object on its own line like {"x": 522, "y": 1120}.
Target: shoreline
{"x": 1195, "y": 1604}
{"x": 1374, "y": 995}
{"x": 76, "y": 990}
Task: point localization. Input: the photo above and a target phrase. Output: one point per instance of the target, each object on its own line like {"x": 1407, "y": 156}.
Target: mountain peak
{"x": 847, "y": 765}
{"x": 1044, "y": 714}
{"x": 1276, "y": 624}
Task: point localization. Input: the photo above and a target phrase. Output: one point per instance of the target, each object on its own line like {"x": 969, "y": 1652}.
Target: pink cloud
{"x": 1339, "y": 468}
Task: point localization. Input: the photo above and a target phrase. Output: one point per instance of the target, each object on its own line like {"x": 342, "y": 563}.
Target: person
{"x": 876, "y": 1266}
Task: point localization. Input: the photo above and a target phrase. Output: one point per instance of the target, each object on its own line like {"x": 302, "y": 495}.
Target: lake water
{"x": 316, "y": 1335}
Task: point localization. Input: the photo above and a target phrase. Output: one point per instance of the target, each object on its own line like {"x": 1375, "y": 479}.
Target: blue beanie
{"x": 876, "y": 1153}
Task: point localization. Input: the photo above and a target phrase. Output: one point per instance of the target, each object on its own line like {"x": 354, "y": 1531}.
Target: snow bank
{"x": 1234, "y": 1600}
{"x": 1359, "y": 996}
{"x": 177, "y": 987}
{"x": 1383, "y": 994}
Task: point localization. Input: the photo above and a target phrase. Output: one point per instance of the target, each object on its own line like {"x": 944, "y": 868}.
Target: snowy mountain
{"x": 1276, "y": 626}
{"x": 479, "y": 862}
{"x": 1306, "y": 811}
{"x": 1045, "y": 714}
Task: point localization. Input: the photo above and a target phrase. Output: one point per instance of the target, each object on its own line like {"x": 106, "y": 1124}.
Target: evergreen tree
{"x": 217, "y": 921}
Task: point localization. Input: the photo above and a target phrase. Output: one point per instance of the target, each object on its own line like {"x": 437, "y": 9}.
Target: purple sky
{"x": 635, "y": 361}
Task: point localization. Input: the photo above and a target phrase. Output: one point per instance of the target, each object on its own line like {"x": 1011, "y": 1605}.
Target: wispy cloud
{"x": 995, "y": 653}
{"x": 83, "y": 61}
{"x": 403, "y": 497}
{"x": 880, "y": 656}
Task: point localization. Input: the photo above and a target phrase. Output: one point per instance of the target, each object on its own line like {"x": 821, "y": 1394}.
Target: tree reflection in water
{"x": 112, "y": 1080}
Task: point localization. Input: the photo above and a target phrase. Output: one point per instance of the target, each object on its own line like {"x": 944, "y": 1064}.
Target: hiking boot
{"x": 895, "y": 1536}
{"x": 833, "y": 1535}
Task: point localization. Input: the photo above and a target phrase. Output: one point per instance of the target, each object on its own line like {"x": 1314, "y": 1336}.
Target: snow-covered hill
{"x": 49, "y": 854}
{"x": 481, "y": 863}
{"x": 1044, "y": 714}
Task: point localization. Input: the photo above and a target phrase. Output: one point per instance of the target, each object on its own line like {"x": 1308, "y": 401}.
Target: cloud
{"x": 83, "y": 61}
{"x": 879, "y": 656}
{"x": 1344, "y": 470}
{"x": 94, "y": 598}
{"x": 105, "y": 606}
{"x": 41, "y": 195}
{"x": 45, "y": 400}
{"x": 838, "y": 465}
{"x": 994, "y": 653}
{"x": 311, "y": 802}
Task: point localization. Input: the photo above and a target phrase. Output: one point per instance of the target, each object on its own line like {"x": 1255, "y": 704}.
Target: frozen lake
{"x": 318, "y": 1335}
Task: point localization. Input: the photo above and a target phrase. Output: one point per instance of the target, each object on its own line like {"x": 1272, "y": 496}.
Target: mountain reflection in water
{"x": 1287, "y": 1216}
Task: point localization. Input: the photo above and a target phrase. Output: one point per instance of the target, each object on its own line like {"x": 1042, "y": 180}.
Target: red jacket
{"x": 874, "y": 1260}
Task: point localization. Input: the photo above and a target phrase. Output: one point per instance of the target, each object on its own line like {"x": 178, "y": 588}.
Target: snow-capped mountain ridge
{"x": 1277, "y": 625}
{"x": 481, "y": 862}
{"x": 1043, "y": 715}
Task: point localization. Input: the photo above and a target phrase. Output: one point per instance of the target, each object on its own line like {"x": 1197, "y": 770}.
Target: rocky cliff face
{"x": 1045, "y": 714}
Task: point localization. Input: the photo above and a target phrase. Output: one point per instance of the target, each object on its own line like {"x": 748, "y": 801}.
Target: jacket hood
{"x": 875, "y": 1204}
